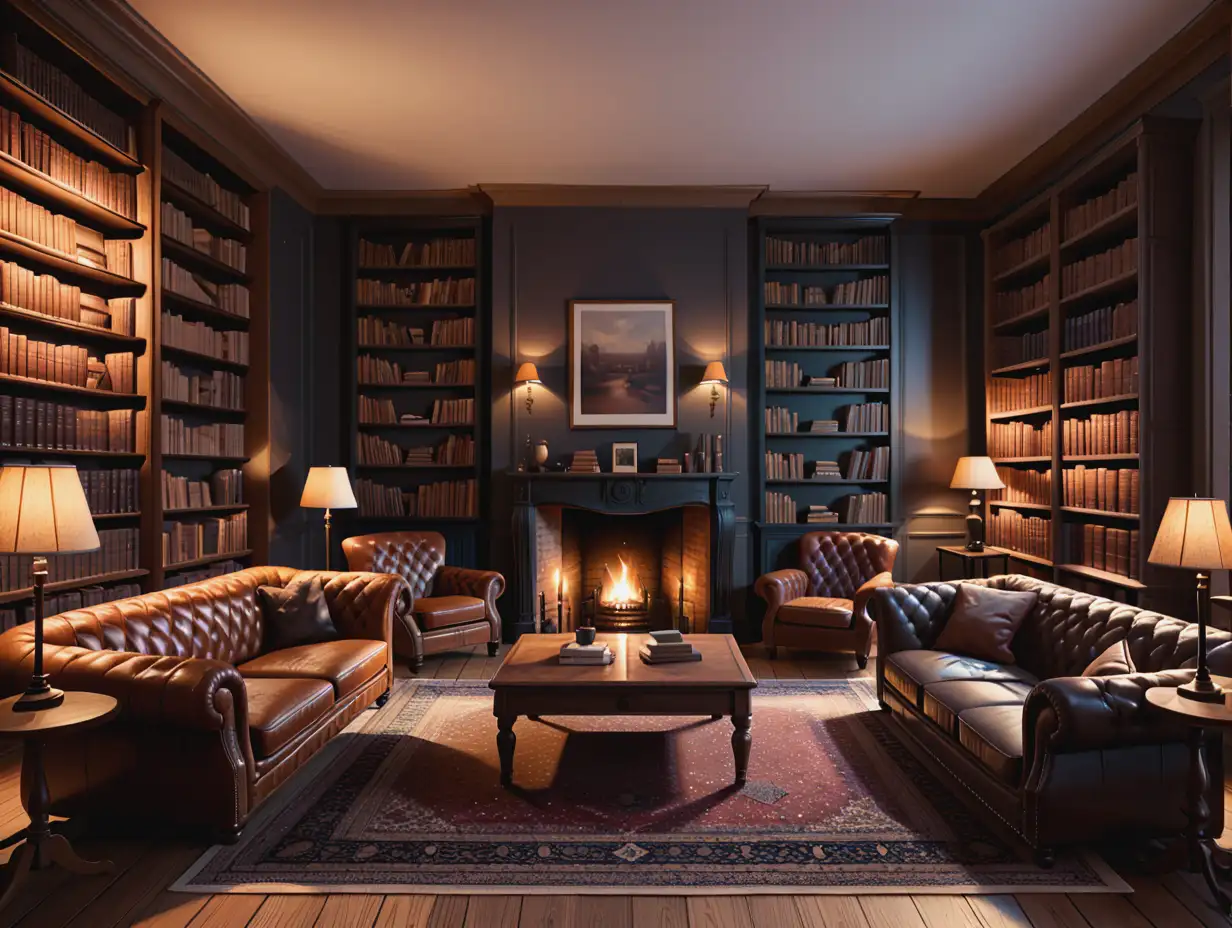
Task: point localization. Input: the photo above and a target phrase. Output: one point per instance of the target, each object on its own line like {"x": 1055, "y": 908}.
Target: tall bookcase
{"x": 416, "y": 336}
{"x": 825, "y": 298}
{"x": 1087, "y": 299}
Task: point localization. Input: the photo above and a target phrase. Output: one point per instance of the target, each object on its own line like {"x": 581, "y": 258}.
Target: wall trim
{"x": 659, "y": 197}
{"x": 936, "y": 534}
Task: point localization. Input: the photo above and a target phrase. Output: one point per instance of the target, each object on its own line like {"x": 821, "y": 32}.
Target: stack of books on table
{"x": 584, "y": 462}
{"x": 668, "y": 647}
{"x": 820, "y": 514}
{"x": 573, "y": 653}
{"x": 668, "y": 466}
{"x": 826, "y": 470}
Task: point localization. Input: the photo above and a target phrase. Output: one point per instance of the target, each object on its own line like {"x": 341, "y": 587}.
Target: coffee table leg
{"x": 742, "y": 744}
{"x": 505, "y": 740}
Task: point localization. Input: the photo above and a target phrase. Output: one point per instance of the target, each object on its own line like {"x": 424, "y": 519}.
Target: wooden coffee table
{"x": 532, "y": 682}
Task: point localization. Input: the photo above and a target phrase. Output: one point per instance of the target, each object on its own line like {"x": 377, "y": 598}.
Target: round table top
{"x": 79, "y": 710}
{"x": 1195, "y": 712}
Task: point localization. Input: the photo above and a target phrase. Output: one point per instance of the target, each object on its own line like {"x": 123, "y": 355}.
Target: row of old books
{"x": 868, "y": 291}
{"x": 867, "y": 417}
{"x": 67, "y": 601}
{"x": 196, "y": 575}
{"x": 118, "y": 551}
{"x": 784, "y": 466}
{"x": 1096, "y": 269}
{"x": 869, "y": 464}
{"x": 205, "y": 188}
{"x": 873, "y": 375}
{"x": 1019, "y": 439}
{"x": 1015, "y": 349}
{"x": 370, "y": 370}
{"x": 214, "y": 439}
{"x": 439, "y": 252}
{"x": 72, "y": 365}
{"x": 39, "y": 425}
{"x": 179, "y": 226}
{"x": 1115, "y": 377}
{"x": 870, "y": 249}
{"x": 707, "y": 455}
{"x": 1023, "y": 249}
{"x": 1108, "y": 488}
{"x": 31, "y": 221}
{"x": 1102, "y": 325}
{"x": 449, "y": 333}
{"x": 1024, "y": 534}
{"x": 453, "y": 499}
{"x": 94, "y": 181}
{"x": 783, "y": 374}
{"x": 223, "y": 488}
{"x": 584, "y": 462}
{"x": 111, "y": 491}
{"x": 864, "y": 508}
{"x": 1006, "y": 394}
{"x": 861, "y": 417}
{"x": 375, "y": 411}
{"x": 781, "y": 421}
{"x": 789, "y": 333}
{"x": 227, "y": 298}
{"x": 218, "y": 389}
{"x": 440, "y": 292}
{"x": 1018, "y": 302}
{"x": 188, "y": 541}
{"x": 1024, "y": 485}
{"x": 62, "y": 91}
{"x": 460, "y": 372}
{"x": 1112, "y": 549}
{"x": 1092, "y": 212}
{"x": 453, "y": 412}
{"x": 43, "y": 293}
{"x": 373, "y": 450}
{"x": 199, "y": 338}
{"x": 455, "y": 449}
{"x": 780, "y": 507}
{"x": 1102, "y": 433}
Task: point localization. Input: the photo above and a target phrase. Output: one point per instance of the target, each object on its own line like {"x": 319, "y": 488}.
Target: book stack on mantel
{"x": 597, "y": 654}
{"x": 668, "y": 466}
{"x": 819, "y": 514}
{"x": 584, "y": 462}
{"x": 668, "y": 647}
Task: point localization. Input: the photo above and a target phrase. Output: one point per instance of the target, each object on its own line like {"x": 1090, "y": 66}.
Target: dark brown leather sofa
{"x": 451, "y": 607}
{"x": 1058, "y": 757}
{"x": 209, "y": 726}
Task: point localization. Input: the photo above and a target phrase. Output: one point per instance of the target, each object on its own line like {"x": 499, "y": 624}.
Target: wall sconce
{"x": 527, "y": 374}
{"x": 714, "y": 375}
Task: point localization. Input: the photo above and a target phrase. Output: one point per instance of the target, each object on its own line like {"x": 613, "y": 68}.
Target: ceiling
{"x": 939, "y": 96}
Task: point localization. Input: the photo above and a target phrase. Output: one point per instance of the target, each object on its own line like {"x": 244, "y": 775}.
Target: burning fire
{"x": 622, "y": 589}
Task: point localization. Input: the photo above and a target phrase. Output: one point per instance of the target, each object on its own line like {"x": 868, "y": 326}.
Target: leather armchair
{"x": 823, "y": 605}
{"x": 450, "y": 607}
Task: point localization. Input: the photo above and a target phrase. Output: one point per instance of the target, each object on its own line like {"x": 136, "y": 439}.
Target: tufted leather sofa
{"x": 209, "y": 724}
{"x": 451, "y": 607}
{"x": 823, "y": 604}
{"x": 1058, "y": 757}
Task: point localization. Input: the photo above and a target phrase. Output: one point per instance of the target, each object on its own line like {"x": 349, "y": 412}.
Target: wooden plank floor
{"x": 135, "y": 894}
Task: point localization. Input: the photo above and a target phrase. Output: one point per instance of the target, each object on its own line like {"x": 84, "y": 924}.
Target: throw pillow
{"x": 984, "y": 622}
{"x": 1114, "y": 659}
{"x": 295, "y": 614}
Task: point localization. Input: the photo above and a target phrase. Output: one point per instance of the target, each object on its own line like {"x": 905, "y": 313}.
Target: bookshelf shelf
{"x": 416, "y": 269}
{"x": 1034, "y": 365}
{"x": 125, "y": 457}
{"x": 206, "y": 510}
{"x": 1022, "y": 320}
{"x": 64, "y": 586}
{"x": 1103, "y": 576}
{"x": 824, "y": 268}
{"x": 1030, "y": 459}
{"x": 66, "y": 269}
{"x": 467, "y": 387}
{"x": 1020, "y": 413}
{"x": 1120, "y": 224}
{"x": 207, "y": 560}
{"x": 201, "y": 409}
{"x": 218, "y": 458}
{"x": 203, "y": 360}
{"x": 1038, "y": 507}
{"x": 803, "y": 527}
{"x": 77, "y": 331}
{"x": 1113, "y": 285}
{"x": 204, "y": 214}
{"x": 839, "y": 434}
{"x": 420, "y": 467}
{"x": 1102, "y": 513}
{"x": 202, "y": 312}
{"x": 1026, "y": 558}
{"x": 1024, "y": 268}
{"x": 828, "y": 307}
{"x": 115, "y": 516}
{"x": 198, "y": 261}
{"x": 61, "y": 198}
{"x": 822, "y": 391}
{"x": 401, "y": 348}
{"x": 1109, "y": 345}
{"x": 28, "y": 386}
{"x": 844, "y": 348}
{"x": 1119, "y": 399}
{"x": 843, "y": 482}
{"x": 414, "y": 308}
{"x": 1087, "y": 458}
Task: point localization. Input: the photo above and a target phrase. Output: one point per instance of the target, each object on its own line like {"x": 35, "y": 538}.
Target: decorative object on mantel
{"x": 624, "y": 457}
{"x": 714, "y": 375}
{"x": 1194, "y": 534}
{"x": 668, "y": 647}
{"x": 541, "y": 455}
{"x": 622, "y": 364}
{"x": 328, "y": 488}
{"x": 668, "y": 466}
{"x": 527, "y": 374}
{"x": 974, "y": 474}
{"x": 584, "y": 462}
{"x": 708, "y": 458}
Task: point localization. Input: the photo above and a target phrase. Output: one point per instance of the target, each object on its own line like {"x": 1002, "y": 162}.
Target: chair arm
{"x": 487, "y": 585}
{"x": 865, "y": 593}
{"x": 910, "y": 615}
{"x": 781, "y": 586}
{"x": 364, "y": 605}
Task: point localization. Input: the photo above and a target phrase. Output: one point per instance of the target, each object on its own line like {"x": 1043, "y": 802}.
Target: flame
{"x": 622, "y": 589}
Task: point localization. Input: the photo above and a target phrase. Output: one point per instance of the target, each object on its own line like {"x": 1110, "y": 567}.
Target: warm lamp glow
{"x": 43, "y": 510}
{"x": 715, "y": 373}
{"x": 527, "y": 373}
{"x": 1195, "y": 534}
{"x": 976, "y": 473}
{"x": 328, "y": 488}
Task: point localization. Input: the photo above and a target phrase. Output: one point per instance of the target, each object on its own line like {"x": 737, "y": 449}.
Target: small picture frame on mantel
{"x": 624, "y": 457}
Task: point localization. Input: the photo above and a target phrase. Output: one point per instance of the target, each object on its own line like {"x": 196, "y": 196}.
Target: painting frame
{"x": 626, "y": 450}
{"x": 579, "y": 390}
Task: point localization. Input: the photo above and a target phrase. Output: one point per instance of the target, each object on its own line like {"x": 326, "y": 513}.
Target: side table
{"x": 42, "y": 847}
{"x": 975, "y": 564}
{"x": 1204, "y": 720}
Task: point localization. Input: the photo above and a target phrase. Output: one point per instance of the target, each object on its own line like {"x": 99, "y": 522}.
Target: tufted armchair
{"x": 451, "y": 607}
{"x": 823, "y": 605}
{"x": 210, "y": 722}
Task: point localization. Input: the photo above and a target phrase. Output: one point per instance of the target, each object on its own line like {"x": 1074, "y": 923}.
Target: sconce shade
{"x": 43, "y": 510}
{"x": 328, "y": 488}
{"x": 527, "y": 373}
{"x": 976, "y": 473}
{"x": 1194, "y": 533}
{"x": 714, "y": 373}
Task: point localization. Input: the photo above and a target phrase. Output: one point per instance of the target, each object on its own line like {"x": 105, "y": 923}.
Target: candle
{"x": 543, "y": 612}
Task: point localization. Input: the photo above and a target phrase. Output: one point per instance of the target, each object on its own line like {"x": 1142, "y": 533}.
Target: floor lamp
{"x": 327, "y": 488}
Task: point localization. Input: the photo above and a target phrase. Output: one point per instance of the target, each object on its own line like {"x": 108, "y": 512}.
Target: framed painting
{"x": 622, "y": 364}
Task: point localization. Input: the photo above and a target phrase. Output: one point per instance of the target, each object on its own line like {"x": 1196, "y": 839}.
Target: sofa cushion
{"x": 295, "y": 614}
{"x": 443, "y": 611}
{"x": 910, "y": 671}
{"x": 945, "y": 701}
{"x": 1112, "y": 660}
{"x": 994, "y": 735}
{"x": 279, "y": 709}
{"x": 984, "y": 622}
{"x": 347, "y": 663}
{"x": 817, "y": 611}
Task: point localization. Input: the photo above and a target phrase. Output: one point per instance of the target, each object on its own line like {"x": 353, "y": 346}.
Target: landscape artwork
{"x": 622, "y": 361}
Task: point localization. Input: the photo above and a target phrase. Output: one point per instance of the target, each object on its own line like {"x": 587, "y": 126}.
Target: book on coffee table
{"x": 573, "y": 653}
{"x": 654, "y": 654}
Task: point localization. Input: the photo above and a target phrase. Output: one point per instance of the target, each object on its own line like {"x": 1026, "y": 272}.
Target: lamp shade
{"x": 976, "y": 473}
{"x": 43, "y": 510}
{"x": 1194, "y": 533}
{"x": 715, "y": 373}
{"x": 527, "y": 373}
{"x": 328, "y": 488}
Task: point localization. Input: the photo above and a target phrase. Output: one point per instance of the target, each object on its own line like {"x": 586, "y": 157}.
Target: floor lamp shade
{"x": 43, "y": 510}
{"x": 328, "y": 488}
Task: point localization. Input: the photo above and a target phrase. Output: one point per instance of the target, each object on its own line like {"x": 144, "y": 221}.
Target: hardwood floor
{"x": 135, "y": 893}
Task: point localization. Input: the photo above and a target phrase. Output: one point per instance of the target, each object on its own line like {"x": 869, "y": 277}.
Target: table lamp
{"x": 1194, "y": 534}
{"x": 527, "y": 374}
{"x": 975, "y": 474}
{"x": 328, "y": 488}
{"x": 714, "y": 375}
{"x": 43, "y": 511}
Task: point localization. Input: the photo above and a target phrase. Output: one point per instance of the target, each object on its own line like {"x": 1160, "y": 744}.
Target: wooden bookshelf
{"x": 1136, "y": 191}
{"x": 394, "y": 238}
{"x": 783, "y": 295}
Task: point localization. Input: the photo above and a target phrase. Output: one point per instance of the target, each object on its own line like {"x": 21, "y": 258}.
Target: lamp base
{"x": 1201, "y": 691}
{"x": 39, "y": 696}
{"x": 975, "y": 546}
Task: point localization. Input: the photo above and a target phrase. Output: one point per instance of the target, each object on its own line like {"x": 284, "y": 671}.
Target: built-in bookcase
{"x": 416, "y": 336}
{"x": 1086, "y": 300}
{"x": 824, "y": 298}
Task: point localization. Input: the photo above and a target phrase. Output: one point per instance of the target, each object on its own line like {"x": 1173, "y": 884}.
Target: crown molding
{"x": 904, "y": 204}
{"x": 464, "y": 202}
{"x": 657, "y": 197}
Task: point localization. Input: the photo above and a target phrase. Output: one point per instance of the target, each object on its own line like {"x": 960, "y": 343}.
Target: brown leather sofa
{"x": 1058, "y": 757}
{"x": 209, "y": 726}
{"x": 451, "y": 607}
{"x": 822, "y": 605}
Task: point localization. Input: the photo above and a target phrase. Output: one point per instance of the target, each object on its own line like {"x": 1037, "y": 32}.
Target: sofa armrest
{"x": 910, "y": 615}
{"x": 365, "y": 605}
{"x": 781, "y": 586}
{"x": 487, "y": 585}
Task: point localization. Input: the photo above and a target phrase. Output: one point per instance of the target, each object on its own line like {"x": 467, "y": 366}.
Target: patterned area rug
{"x": 407, "y": 800}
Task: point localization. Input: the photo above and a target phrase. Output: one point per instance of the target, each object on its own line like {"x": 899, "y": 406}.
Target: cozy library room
{"x": 615, "y": 465}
